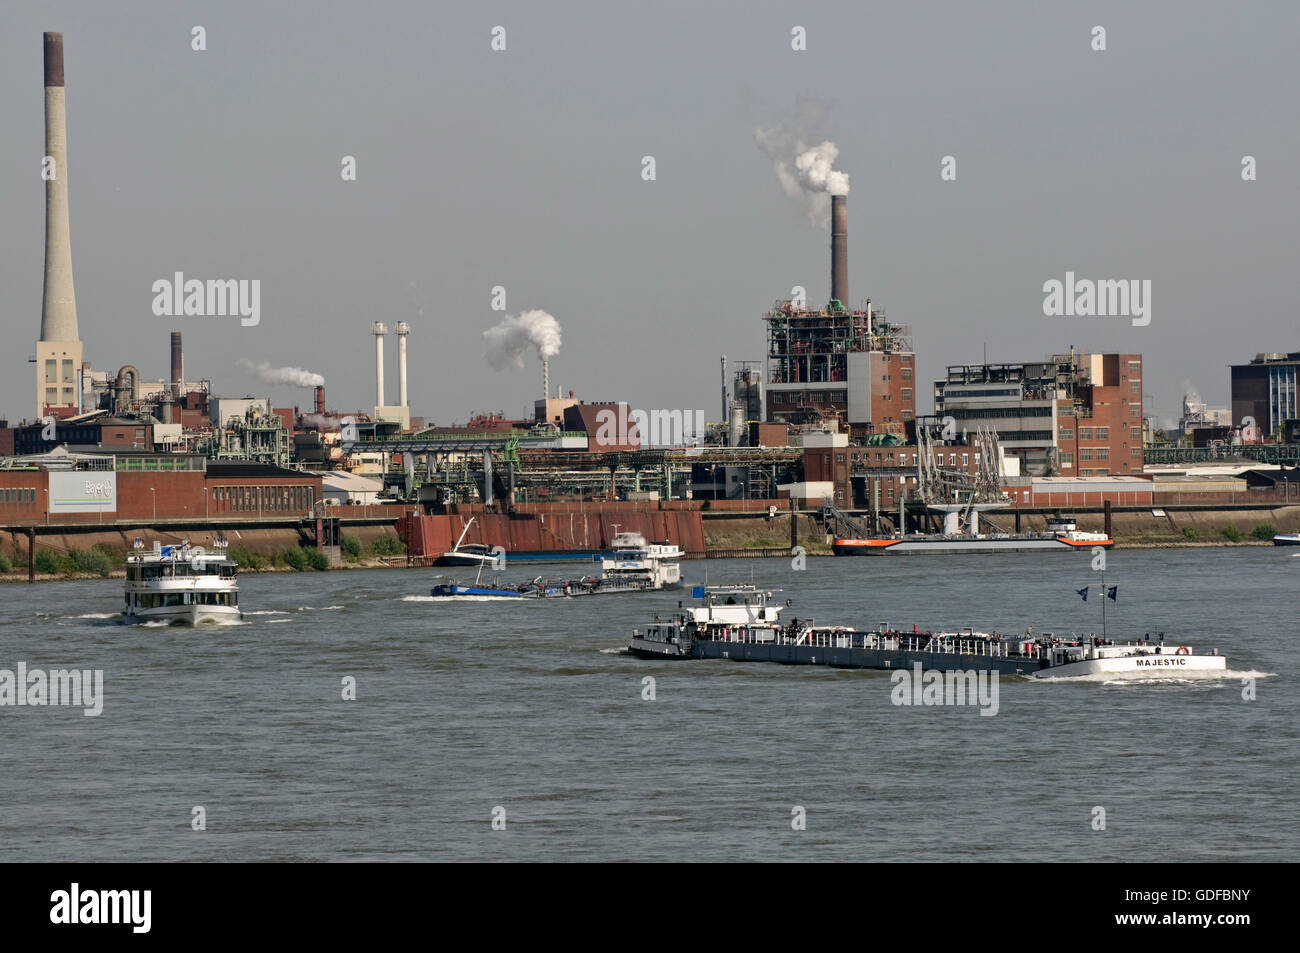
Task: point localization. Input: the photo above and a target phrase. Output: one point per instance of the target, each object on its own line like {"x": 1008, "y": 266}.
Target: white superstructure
{"x": 636, "y": 562}
{"x": 181, "y": 584}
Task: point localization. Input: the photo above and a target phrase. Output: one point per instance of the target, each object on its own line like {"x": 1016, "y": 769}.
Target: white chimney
{"x": 379, "y": 330}
{"x": 402, "y": 329}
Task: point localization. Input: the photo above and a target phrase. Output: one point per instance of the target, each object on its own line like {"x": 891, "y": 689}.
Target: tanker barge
{"x": 741, "y": 623}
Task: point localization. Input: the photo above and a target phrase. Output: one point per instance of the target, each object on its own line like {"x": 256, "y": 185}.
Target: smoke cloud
{"x": 509, "y": 341}
{"x": 806, "y": 172}
{"x": 294, "y": 376}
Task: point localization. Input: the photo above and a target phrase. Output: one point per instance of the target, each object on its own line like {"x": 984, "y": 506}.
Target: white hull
{"x": 184, "y": 615}
{"x": 1147, "y": 665}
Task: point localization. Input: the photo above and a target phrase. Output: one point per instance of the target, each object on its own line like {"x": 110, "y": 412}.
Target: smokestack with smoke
{"x": 509, "y": 341}
{"x": 294, "y": 376}
{"x": 840, "y": 249}
{"x": 806, "y": 172}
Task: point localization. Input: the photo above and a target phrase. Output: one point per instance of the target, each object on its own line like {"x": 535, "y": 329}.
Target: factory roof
{"x": 242, "y": 468}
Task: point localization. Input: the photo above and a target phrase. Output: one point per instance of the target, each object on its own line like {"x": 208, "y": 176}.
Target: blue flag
{"x": 1112, "y": 592}
{"x": 697, "y": 592}
{"x": 1084, "y": 592}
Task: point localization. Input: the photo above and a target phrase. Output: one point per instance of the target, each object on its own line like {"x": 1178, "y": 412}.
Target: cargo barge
{"x": 742, "y": 624}
{"x": 1061, "y": 536}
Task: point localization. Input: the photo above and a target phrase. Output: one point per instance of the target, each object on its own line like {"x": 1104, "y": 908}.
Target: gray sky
{"x": 523, "y": 169}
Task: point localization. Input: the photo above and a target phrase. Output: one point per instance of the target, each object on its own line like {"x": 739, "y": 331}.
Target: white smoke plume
{"x": 510, "y": 340}
{"x": 321, "y": 422}
{"x": 806, "y": 172}
{"x": 294, "y": 376}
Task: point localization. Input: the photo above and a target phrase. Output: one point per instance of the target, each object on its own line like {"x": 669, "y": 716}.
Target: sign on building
{"x": 83, "y": 491}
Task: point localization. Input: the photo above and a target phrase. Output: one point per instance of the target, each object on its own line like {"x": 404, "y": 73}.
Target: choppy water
{"x": 462, "y": 708}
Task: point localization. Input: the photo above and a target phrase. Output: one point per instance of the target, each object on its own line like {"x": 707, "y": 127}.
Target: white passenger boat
{"x": 181, "y": 584}
{"x": 636, "y": 564}
{"x": 1286, "y": 539}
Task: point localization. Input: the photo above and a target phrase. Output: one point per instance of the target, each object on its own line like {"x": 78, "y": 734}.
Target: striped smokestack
{"x": 840, "y": 249}
{"x": 59, "y": 305}
{"x": 178, "y": 364}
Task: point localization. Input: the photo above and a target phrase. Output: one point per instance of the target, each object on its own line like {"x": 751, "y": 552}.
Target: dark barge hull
{"x": 880, "y": 659}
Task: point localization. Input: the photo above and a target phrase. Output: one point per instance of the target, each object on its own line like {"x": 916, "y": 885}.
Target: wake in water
{"x": 461, "y": 599}
{"x": 1140, "y": 678}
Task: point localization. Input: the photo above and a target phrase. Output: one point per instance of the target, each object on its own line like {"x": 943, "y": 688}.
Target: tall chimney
{"x": 58, "y": 350}
{"x": 724, "y": 388}
{"x": 178, "y": 364}
{"x": 379, "y": 330}
{"x": 840, "y": 249}
{"x": 546, "y": 379}
{"x": 401, "y": 330}
{"x": 320, "y": 399}
{"x": 59, "y": 306}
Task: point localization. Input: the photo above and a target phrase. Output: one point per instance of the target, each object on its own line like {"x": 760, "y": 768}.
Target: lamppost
{"x": 47, "y": 505}
{"x": 205, "y": 502}
{"x": 153, "y": 496}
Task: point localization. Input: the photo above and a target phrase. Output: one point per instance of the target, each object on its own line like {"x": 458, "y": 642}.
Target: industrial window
{"x": 51, "y": 372}
{"x": 1067, "y": 433}
{"x": 1135, "y": 387}
{"x": 1085, "y": 433}
{"x": 1085, "y": 453}
{"x": 907, "y": 373}
{"x": 907, "y": 393}
{"x": 67, "y": 371}
{"x": 1103, "y": 453}
{"x": 1134, "y": 433}
{"x": 1067, "y": 459}
{"x": 1136, "y": 453}
{"x": 1103, "y": 433}
{"x": 1135, "y": 410}
{"x": 965, "y": 459}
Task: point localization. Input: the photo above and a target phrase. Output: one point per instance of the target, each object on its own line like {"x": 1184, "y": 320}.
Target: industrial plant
{"x": 824, "y": 423}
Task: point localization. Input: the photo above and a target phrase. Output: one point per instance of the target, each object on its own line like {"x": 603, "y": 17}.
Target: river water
{"x": 531, "y": 708}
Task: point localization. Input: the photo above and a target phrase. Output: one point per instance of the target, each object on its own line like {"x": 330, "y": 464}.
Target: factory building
{"x": 69, "y": 486}
{"x": 97, "y": 430}
{"x": 1265, "y": 390}
{"x": 835, "y": 363}
{"x": 1071, "y": 415}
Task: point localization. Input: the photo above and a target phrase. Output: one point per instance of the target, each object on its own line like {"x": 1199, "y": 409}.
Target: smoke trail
{"x": 806, "y": 173}
{"x": 295, "y": 376}
{"x": 510, "y": 340}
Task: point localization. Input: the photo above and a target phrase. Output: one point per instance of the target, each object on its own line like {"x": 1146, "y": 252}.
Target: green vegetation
{"x": 303, "y": 557}
{"x": 46, "y": 561}
{"x": 246, "y": 560}
{"x": 388, "y": 546}
{"x": 5, "y": 564}
{"x": 88, "y": 560}
{"x": 1264, "y": 531}
{"x": 1189, "y": 532}
{"x": 351, "y": 547}
{"x": 1231, "y": 533}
